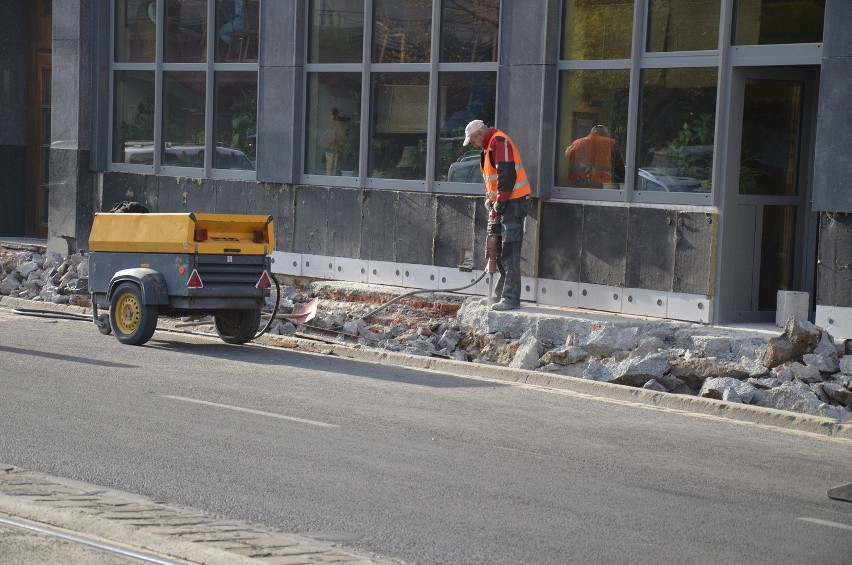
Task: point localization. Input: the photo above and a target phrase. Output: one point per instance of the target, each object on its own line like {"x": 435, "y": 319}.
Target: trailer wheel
{"x": 237, "y": 326}
{"x": 133, "y": 322}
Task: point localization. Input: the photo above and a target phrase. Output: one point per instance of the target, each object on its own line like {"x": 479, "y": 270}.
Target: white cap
{"x": 471, "y": 129}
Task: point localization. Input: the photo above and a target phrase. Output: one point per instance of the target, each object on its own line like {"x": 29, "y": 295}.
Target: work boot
{"x": 503, "y": 305}
{"x": 484, "y": 301}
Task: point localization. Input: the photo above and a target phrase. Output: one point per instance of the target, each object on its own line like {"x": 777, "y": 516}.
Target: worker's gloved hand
{"x": 489, "y": 205}
{"x": 492, "y": 215}
{"x": 499, "y": 207}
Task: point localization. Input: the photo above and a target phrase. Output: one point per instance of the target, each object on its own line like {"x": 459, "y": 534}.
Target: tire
{"x": 103, "y": 324}
{"x": 237, "y": 326}
{"x": 133, "y": 322}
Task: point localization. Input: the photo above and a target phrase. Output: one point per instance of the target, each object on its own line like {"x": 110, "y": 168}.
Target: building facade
{"x": 343, "y": 119}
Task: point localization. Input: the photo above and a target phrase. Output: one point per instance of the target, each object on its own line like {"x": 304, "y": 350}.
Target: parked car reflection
{"x": 142, "y": 153}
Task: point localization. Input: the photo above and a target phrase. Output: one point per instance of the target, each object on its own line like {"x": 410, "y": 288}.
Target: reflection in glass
{"x": 183, "y": 119}
{"x": 597, "y": 30}
{"x": 683, "y": 25}
{"x": 769, "y": 22}
{"x": 400, "y": 113}
{"x": 133, "y": 117}
{"x": 462, "y": 97}
{"x": 186, "y": 31}
{"x": 235, "y": 120}
{"x": 776, "y": 254}
{"x": 335, "y": 31}
{"x": 237, "y": 31}
{"x": 588, "y": 156}
{"x": 469, "y": 31}
{"x": 334, "y": 124}
{"x": 402, "y": 31}
{"x": 135, "y": 31}
{"x": 678, "y": 117}
{"x": 772, "y": 115}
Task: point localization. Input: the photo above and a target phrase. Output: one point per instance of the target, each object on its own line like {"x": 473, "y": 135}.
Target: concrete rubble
{"x": 801, "y": 370}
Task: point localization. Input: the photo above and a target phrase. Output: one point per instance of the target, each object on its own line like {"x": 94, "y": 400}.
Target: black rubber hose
{"x": 274, "y": 310}
{"x": 52, "y": 314}
{"x": 401, "y": 296}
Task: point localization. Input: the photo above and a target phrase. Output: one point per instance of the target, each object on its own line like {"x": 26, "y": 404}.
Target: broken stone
{"x": 606, "y": 340}
{"x": 838, "y": 393}
{"x": 717, "y": 387}
{"x": 710, "y": 346}
{"x": 695, "y": 371}
{"x": 27, "y": 268}
{"x": 654, "y": 384}
{"x": 528, "y": 352}
{"x": 773, "y": 380}
{"x": 805, "y": 373}
{"x": 648, "y": 346}
{"x": 822, "y": 362}
{"x": 790, "y": 396}
{"x": 636, "y": 372}
{"x": 9, "y": 285}
{"x": 449, "y": 340}
{"x": 566, "y": 356}
{"x": 799, "y": 337}
{"x": 845, "y": 364}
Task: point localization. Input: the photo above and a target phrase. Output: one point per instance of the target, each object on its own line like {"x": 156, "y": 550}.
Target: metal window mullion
{"x": 209, "y": 83}
{"x": 634, "y": 89}
{"x": 366, "y": 80}
{"x": 159, "y": 51}
{"x": 111, "y": 85}
{"x": 721, "y": 131}
{"x": 432, "y": 112}
{"x": 467, "y": 67}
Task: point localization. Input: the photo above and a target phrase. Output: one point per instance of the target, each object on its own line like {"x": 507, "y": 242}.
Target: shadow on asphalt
{"x": 301, "y": 360}
{"x": 69, "y": 358}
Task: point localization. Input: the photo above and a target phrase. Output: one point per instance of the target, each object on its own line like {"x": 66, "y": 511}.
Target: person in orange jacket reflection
{"x": 594, "y": 160}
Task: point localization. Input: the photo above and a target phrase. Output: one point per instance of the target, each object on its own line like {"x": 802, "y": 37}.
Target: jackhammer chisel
{"x": 494, "y": 246}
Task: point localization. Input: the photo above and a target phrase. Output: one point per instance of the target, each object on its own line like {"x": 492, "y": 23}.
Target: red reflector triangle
{"x": 194, "y": 280}
{"x": 264, "y": 281}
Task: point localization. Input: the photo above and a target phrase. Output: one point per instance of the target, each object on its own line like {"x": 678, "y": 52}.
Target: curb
{"x": 706, "y": 406}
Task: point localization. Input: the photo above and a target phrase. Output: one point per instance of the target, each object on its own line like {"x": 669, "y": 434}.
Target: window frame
{"x": 158, "y": 67}
{"x": 368, "y": 69}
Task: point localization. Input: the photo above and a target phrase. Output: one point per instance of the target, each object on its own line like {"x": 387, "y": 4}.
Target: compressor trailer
{"x": 145, "y": 265}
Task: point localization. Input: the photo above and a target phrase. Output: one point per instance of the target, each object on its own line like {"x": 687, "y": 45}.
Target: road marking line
{"x": 250, "y": 411}
{"x": 83, "y": 540}
{"x": 826, "y": 523}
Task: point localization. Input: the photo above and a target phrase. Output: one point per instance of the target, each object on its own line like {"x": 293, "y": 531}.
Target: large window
{"x": 683, "y": 25}
{"x": 767, "y": 22}
{"x": 194, "y": 107}
{"x": 597, "y": 30}
{"x": 678, "y": 120}
{"x": 396, "y": 110}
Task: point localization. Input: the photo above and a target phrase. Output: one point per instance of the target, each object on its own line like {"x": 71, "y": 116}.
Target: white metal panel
{"x": 689, "y": 307}
{"x": 451, "y": 277}
{"x": 601, "y": 297}
{"x": 354, "y": 270}
{"x": 383, "y": 272}
{"x": 285, "y": 263}
{"x": 419, "y": 277}
{"x": 318, "y": 266}
{"x": 643, "y": 302}
{"x": 558, "y": 293}
{"x": 529, "y": 286}
{"x": 836, "y": 320}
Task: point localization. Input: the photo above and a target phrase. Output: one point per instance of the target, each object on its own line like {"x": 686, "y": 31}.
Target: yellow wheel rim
{"x": 128, "y": 313}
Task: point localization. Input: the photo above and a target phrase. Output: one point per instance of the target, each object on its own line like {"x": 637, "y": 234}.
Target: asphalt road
{"x": 412, "y": 465}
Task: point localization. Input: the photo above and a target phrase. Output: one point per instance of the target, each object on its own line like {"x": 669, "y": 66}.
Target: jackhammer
{"x": 494, "y": 247}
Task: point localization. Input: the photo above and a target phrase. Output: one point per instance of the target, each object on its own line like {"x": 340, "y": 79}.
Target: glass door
{"x": 768, "y": 187}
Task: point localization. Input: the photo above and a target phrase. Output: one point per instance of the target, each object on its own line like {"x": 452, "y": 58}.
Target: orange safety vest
{"x": 590, "y": 159}
{"x": 489, "y": 172}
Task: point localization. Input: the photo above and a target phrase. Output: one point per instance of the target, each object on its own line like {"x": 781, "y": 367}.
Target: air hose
{"x": 423, "y": 291}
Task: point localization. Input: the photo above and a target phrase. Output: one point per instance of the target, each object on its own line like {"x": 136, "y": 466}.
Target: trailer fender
{"x": 152, "y": 283}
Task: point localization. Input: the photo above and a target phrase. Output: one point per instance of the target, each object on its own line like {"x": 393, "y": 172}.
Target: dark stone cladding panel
{"x": 604, "y": 255}
{"x": 695, "y": 253}
{"x": 13, "y": 168}
{"x": 834, "y": 275}
{"x": 71, "y": 204}
{"x": 414, "y": 227}
{"x": 345, "y": 220}
{"x": 560, "y": 241}
{"x": 378, "y": 237}
{"x": 651, "y": 235}
{"x": 311, "y": 220}
{"x": 454, "y": 227}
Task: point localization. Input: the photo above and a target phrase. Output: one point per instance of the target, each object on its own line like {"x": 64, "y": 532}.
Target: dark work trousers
{"x": 508, "y": 286}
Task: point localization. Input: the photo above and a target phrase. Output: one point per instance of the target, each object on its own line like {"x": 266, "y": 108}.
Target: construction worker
{"x": 594, "y": 160}
{"x": 507, "y": 191}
